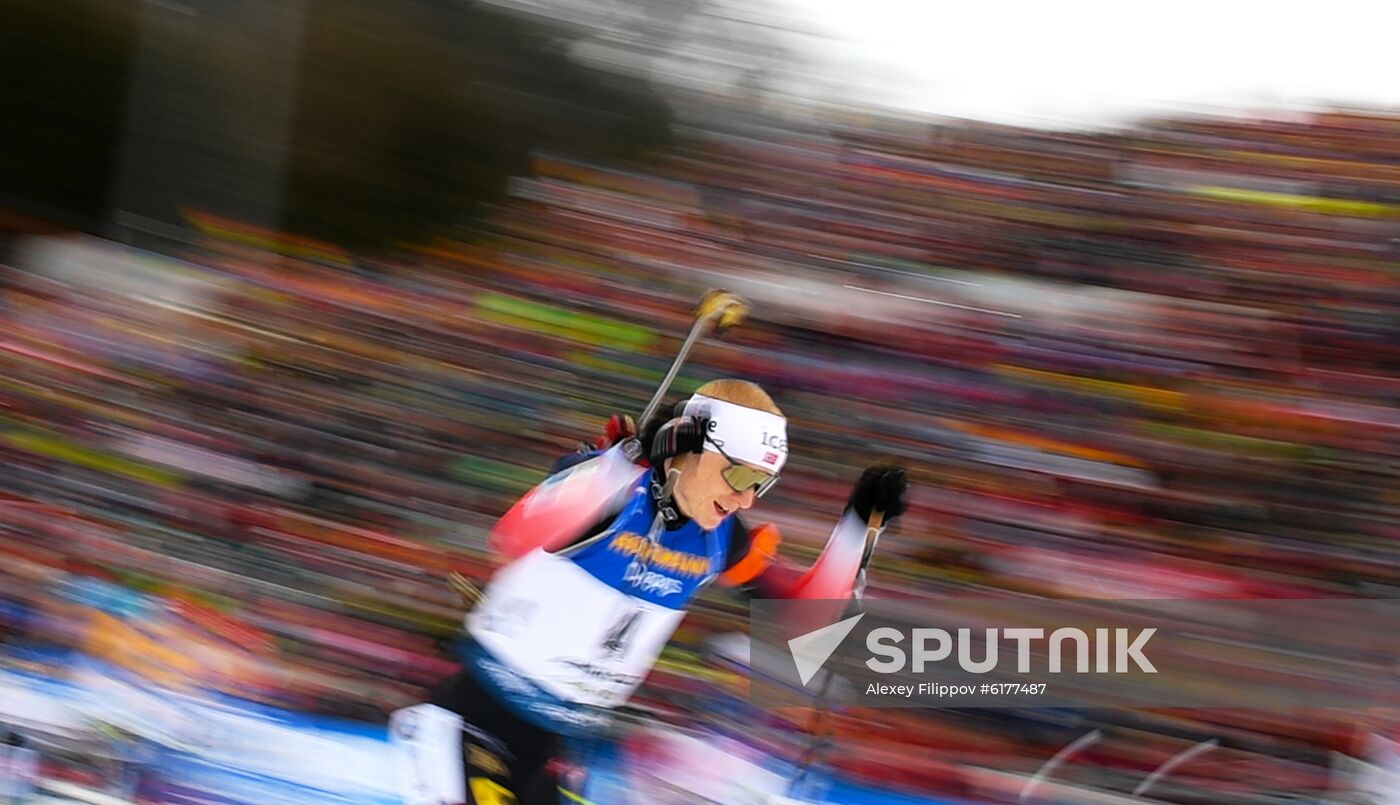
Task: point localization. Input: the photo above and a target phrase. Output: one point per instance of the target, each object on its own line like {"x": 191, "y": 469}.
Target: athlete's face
{"x": 703, "y": 495}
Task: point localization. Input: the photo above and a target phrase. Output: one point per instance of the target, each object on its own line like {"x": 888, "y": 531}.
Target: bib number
{"x": 615, "y": 644}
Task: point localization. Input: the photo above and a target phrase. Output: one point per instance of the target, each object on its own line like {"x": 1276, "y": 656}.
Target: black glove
{"x": 663, "y": 439}
{"x": 881, "y": 488}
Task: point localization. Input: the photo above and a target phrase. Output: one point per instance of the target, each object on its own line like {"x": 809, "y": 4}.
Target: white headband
{"x": 746, "y": 434}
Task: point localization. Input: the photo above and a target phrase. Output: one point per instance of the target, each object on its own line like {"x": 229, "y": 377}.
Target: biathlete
{"x": 603, "y": 559}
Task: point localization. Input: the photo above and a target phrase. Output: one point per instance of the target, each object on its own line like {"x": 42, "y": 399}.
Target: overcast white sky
{"x": 1090, "y": 61}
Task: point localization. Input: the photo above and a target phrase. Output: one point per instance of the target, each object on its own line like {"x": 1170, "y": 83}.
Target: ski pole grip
{"x": 876, "y": 522}
{"x": 724, "y": 308}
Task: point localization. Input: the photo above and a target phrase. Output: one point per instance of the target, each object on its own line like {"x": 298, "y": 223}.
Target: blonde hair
{"x": 740, "y": 392}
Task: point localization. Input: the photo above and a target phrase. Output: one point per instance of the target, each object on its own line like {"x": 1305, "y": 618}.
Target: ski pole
{"x": 872, "y": 536}
{"x": 718, "y": 309}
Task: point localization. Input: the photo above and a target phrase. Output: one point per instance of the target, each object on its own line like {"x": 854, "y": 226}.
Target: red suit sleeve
{"x": 559, "y": 510}
{"x": 831, "y": 577}
{"x": 757, "y": 561}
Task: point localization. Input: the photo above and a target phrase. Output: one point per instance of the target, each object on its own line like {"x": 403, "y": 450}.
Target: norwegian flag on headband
{"x": 770, "y": 458}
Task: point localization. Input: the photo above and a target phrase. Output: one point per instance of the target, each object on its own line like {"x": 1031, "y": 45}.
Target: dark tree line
{"x": 398, "y": 118}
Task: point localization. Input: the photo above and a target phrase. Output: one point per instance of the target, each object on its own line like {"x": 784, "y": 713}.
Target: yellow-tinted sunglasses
{"x": 742, "y": 477}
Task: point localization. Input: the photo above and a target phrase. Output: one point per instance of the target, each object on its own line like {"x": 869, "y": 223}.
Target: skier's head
{"x": 745, "y": 448}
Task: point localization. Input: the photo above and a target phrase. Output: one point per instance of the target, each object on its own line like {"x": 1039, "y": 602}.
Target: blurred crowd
{"x": 1153, "y": 363}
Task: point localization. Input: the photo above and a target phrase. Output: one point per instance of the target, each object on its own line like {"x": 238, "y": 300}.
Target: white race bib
{"x": 569, "y": 633}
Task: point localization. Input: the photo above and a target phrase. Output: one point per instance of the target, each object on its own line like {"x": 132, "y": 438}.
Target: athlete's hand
{"x": 881, "y": 488}
{"x": 670, "y": 438}
{"x": 619, "y": 428}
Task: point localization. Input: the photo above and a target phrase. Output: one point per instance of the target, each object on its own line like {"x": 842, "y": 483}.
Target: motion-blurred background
{"x": 296, "y": 297}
